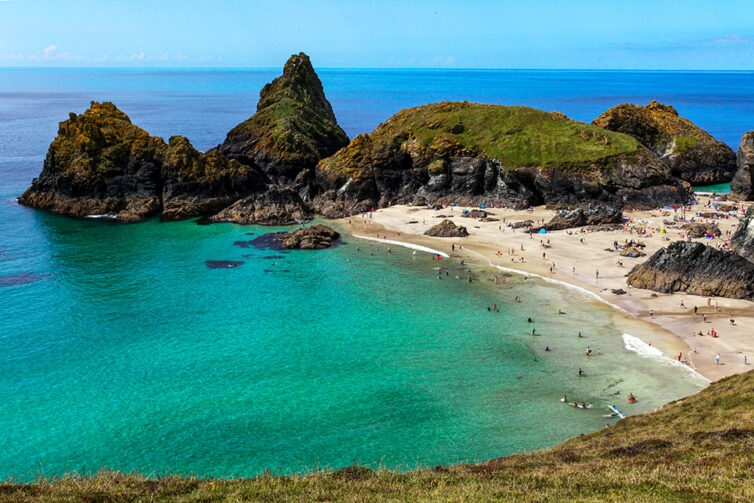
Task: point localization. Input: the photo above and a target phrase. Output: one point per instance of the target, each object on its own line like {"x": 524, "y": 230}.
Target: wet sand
{"x": 576, "y": 255}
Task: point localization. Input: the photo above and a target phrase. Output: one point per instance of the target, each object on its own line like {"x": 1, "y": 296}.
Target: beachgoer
{"x": 548, "y": 348}
{"x": 533, "y": 331}
{"x": 717, "y": 359}
{"x": 581, "y": 372}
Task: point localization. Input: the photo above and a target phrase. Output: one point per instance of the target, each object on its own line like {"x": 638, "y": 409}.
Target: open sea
{"x": 120, "y": 348}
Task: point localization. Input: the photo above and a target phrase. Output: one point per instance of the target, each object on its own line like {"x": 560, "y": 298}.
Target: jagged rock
{"x": 696, "y": 269}
{"x": 632, "y": 252}
{"x": 514, "y": 155}
{"x": 522, "y": 223}
{"x": 315, "y": 237}
{"x": 197, "y": 184}
{"x": 293, "y": 128}
{"x": 580, "y": 217}
{"x": 618, "y": 291}
{"x": 699, "y": 230}
{"x": 692, "y": 154}
{"x": 447, "y": 229}
{"x": 275, "y": 206}
{"x": 100, "y": 163}
{"x": 741, "y": 186}
{"x": 475, "y": 214}
{"x": 743, "y": 239}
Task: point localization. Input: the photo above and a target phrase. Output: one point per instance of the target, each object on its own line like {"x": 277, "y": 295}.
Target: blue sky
{"x": 635, "y": 34}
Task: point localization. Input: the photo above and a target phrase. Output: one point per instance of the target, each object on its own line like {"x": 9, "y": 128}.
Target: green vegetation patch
{"x": 686, "y": 143}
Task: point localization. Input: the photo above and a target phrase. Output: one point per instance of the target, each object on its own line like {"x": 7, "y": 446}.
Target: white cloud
{"x": 47, "y": 51}
{"x": 138, "y": 56}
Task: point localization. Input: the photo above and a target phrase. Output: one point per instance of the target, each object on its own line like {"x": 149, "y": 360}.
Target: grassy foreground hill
{"x": 700, "y": 448}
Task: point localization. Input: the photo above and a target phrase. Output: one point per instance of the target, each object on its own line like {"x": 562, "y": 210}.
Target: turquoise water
{"x": 720, "y": 188}
{"x": 119, "y": 347}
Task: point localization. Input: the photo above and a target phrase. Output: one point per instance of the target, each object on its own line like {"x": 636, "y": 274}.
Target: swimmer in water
{"x": 580, "y": 336}
{"x": 529, "y": 320}
{"x": 581, "y": 372}
{"x": 533, "y": 331}
{"x": 547, "y": 348}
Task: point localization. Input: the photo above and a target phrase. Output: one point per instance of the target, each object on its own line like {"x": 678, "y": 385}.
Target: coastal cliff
{"x": 293, "y": 128}
{"x": 100, "y": 163}
{"x": 692, "y": 154}
{"x": 741, "y": 186}
{"x": 472, "y": 153}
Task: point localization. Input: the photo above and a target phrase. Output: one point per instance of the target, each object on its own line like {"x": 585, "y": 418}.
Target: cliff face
{"x": 294, "y": 126}
{"x": 472, "y": 153}
{"x": 741, "y": 186}
{"x": 696, "y": 269}
{"x": 742, "y": 241}
{"x": 100, "y": 163}
{"x": 197, "y": 184}
{"x": 692, "y": 154}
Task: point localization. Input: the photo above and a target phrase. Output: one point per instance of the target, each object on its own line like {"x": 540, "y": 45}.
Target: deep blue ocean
{"x": 119, "y": 348}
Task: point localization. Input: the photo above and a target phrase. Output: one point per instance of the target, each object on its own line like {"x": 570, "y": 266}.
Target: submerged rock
{"x": 514, "y": 155}
{"x": 741, "y": 186}
{"x": 100, "y": 164}
{"x": 692, "y": 154}
{"x": 581, "y": 217}
{"x": 275, "y": 206}
{"x": 696, "y": 269}
{"x": 293, "y": 128}
{"x": 447, "y": 229}
{"x": 222, "y": 264}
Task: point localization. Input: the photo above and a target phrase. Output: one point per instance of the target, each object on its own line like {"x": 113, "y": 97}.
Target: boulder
{"x": 699, "y": 230}
{"x": 690, "y": 152}
{"x": 632, "y": 252}
{"x": 315, "y": 237}
{"x": 697, "y": 269}
{"x": 580, "y": 217}
{"x": 522, "y": 223}
{"x": 447, "y": 229}
{"x": 100, "y": 164}
{"x": 741, "y": 186}
{"x": 274, "y": 206}
{"x": 293, "y": 128}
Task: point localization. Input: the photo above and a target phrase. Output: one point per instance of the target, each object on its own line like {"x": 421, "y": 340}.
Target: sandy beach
{"x": 573, "y": 257}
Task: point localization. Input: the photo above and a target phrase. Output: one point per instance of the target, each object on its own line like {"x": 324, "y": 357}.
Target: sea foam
{"x": 401, "y": 243}
{"x": 643, "y": 349}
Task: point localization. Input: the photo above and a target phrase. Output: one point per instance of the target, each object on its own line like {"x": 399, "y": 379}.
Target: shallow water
{"x": 121, "y": 347}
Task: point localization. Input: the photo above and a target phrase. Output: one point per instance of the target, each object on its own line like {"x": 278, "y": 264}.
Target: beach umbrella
{"x": 543, "y": 231}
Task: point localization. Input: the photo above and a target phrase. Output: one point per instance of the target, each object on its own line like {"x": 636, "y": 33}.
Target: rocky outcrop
{"x": 447, "y": 229}
{"x": 699, "y": 230}
{"x": 692, "y": 154}
{"x": 474, "y": 154}
{"x": 274, "y": 206}
{"x": 742, "y": 241}
{"x": 741, "y": 186}
{"x": 315, "y": 237}
{"x": 100, "y": 164}
{"x": 294, "y": 126}
{"x": 696, "y": 269}
{"x": 195, "y": 184}
{"x": 580, "y": 217}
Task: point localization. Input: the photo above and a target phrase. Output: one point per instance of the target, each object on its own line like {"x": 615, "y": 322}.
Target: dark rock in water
{"x": 272, "y": 257}
{"x": 293, "y": 128}
{"x": 699, "y": 230}
{"x": 244, "y": 244}
{"x": 742, "y": 185}
{"x": 315, "y": 237}
{"x": 743, "y": 239}
{"x": 692, "y": 154}
{"x": 696, "y": 269}
{"x": 249, "y": 233}
{"x": 618, "y": 291}
{"x": 447, "y": 229}
{"x": 275, "y": 206}
{"x": 100, "y": 164}
{"x": 580, "y": 217}
{"x": 23, "y": 278}
{"x": 566, "y": 163}
{"x": 222, "y": 264}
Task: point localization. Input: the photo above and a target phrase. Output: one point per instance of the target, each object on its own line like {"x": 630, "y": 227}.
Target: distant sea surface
{"x": 120, "y": 348}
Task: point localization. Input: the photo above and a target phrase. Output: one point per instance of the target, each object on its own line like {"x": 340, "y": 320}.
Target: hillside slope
{"x": 700, "y": 448}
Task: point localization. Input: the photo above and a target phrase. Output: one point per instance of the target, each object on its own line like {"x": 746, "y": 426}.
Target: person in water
{"x": 530, "y": 320}
{"x": 547, "y": 348}
{"x": 581, "y": 372}
{"x": 533, "y": 331}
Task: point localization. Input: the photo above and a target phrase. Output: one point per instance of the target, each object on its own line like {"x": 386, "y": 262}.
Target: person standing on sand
{"x": 597, "y": 274}
{"x": 717, "y": 359}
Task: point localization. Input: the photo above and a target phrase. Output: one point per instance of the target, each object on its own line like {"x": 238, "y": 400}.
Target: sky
{"x": 569, "y": 34}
